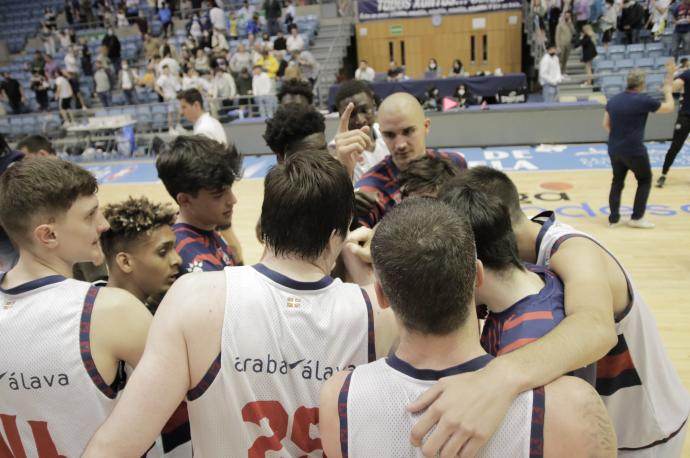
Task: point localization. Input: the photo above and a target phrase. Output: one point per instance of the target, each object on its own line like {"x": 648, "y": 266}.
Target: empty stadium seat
{"x": 644, "y": 62}
{"x": 635, "y": 51}
{"x": 624, "y": 64}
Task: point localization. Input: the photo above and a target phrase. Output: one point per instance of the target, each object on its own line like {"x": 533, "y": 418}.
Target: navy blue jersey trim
{"x": 290, "y": 283}
{"x": 371, "y": 334}
{"x": 546, "y": 219}
{"x": 31, "y": 285}
{"x": 342, "y": 414}
{"x": 536, "y": 449}
{"x": 206, "y": 380}
{"x": 431, "y": 374}
{"x": 660, "y": 441}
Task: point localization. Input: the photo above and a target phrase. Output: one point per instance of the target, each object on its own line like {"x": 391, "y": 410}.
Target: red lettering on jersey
{"x": 44, "y": 442}
{"x": 277, "y": 418}
{"x": 304, "y": 417}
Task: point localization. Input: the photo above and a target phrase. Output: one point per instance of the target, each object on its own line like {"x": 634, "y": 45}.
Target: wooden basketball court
{"x": 658, "y": 260}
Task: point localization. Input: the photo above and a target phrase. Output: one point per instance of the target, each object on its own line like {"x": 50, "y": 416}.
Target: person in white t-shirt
{"x": 264, "y": 92}
{"x": 63, "y": 94}
{"x": 217, "y": 17}
{"x": 192, "y": 108}
{"x": 364, "y": 72}
{"x": 295, "y": 42}
{"x": 167, "y": 87}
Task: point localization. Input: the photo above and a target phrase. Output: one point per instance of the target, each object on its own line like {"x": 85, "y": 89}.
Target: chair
{"x": 635, "y": 51}
{"x": 616, "y": 52}
{"x": 655, "y": 50}
{"x": 600, "y": 65}
{"x": 644, "y": 62}
{"x": 624, "y": 65}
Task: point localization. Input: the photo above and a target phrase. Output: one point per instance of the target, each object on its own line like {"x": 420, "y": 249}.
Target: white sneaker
{"x": 641, "y": 224}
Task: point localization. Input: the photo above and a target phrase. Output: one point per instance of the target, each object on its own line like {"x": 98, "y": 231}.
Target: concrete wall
{"x": 489, "y": 128}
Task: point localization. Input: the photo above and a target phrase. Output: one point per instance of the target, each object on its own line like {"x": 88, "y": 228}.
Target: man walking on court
{"x": 681, "y": 127}
{"x": 625, "y": 120}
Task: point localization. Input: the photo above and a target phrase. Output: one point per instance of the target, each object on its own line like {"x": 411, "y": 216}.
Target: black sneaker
{"x": 661, "y": 181}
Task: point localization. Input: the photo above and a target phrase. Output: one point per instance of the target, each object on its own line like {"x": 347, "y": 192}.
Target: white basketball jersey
{"x": 281, "y": 339}
{"x": 374, "y": 420}
{"x": 642, "y": 391}
{"x": 52, "y": 398}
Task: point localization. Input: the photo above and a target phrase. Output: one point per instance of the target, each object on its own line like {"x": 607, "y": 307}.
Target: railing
{"x": 346, "y": 13}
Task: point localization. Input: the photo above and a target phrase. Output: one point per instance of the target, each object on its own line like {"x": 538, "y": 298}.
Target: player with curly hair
{"x": 295, "y": 127}
{"x": 295, "y": 91}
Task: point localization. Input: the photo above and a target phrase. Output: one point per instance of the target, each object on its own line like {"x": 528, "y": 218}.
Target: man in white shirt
{"x": 550, "y": 74}
{"x": 295, "y": 42}
{"x": 168, "y": 61}
{"x": 192, "y": 108}
{"x": 127, "y": 82}
{"x": 240, "y": 59}
{"x": 364, "y": 72}
{"x": 223, "y": 87}
{"x": 264, "y": 92}
{"x": 71, "y": 64}
{"x": 167, "y": 87}
{"x": 63, "y": 93}
{"x": 246, "y": 12}
{"x": 217, "y": 18}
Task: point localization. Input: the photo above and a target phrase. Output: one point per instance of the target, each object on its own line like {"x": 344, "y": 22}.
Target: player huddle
{"x": 283, "y": 359}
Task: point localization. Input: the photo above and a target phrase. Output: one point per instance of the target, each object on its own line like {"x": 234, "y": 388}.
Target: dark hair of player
{"x": 421, "y": 246}
{"x": 290, "y": 124}
{"x": 296, "y": 87}
{"x": 306, "y": 198}
{"x": 36, "y": 143}
{"x": 41, "y": 185}
{"x": 425, "y": 176}
{"x": 351, "y": 88}
{"x": 195, "y": 162}
{"x": 490, "y": 220}
{"x": 132, "y": 221}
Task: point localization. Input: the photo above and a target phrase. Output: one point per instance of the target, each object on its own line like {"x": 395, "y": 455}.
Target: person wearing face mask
{"x": 127, "y": 82}
{"x": 464, "y": 96}
{"x": 550, "y": 74}
{"x": 112, "y": 43}
{"x": 432, "y": 67}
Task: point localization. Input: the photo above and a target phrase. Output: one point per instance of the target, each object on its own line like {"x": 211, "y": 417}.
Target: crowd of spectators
{"x": 275, "y": 52}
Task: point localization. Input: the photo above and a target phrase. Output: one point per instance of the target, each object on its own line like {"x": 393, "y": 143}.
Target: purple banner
{"x": 386, "y": 9}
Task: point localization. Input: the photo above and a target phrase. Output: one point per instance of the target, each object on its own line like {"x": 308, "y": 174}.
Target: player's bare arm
{"x": 119, "y": 327}
{"x": 165, "y": 374}
{"x": 585, "y": 335}
{"x": 576, "y": 422}
{"x": 329, "y": 419}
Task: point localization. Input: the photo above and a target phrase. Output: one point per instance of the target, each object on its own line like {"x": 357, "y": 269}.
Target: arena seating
{"x": 20, "y": 19}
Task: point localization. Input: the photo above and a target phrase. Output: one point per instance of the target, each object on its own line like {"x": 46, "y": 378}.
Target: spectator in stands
{"x": 73, "y": 79}
{"x": 295, "y": 42}
{"x": 168, "y": 61}
{"x": 307, "y": 65}
{"x": 244, "y": 82}
{"x": 194, "y": 27}
{"x": 150, "y": 45}
{"x": 295, "y": 91}
{"x": 40, "y": 85}
{"x": 589, "y": 51}
{"x": 48, "y": 40}
{"x": 132, "y": 10}
{"x": 205, "y": 40}
{"x": 581, "y": 11}
{"x": 245, "y": 13}
{"x": 192, "y": 80}
{"x": 112, "y": 43}
{"x": 192, "y": 108}
{"x": 268, "y": 62}
{"x": 263, "y": 92}
{"x": 608, "y": 22}
{"x": 38, "y": 63}
{"x": 364, "y": 72}
{"x": 681, "y": 31}
{"x": 293, "y": 72}
{"x": 240, "y": 59}
{"x": 253, "y": 25}
{"x": 142, "y": 23}
{"x": 432, "y": 68}
{"x": 280, "y": 43}
{"x": 36, "y": 146}
{"x": 13, "y": 92}
{"x": 273, "y": 11}
{"x": 165, "y": 16}
{"x": 550, "y": 74}
{"x": 102, "y": 85}
{"x": 127, "y": 81}
{"x": 362, "y": 121}
{"x": 64, "y": 94}
{"x": 217, "y": 16}
{"x": 69, "y": 12}
{"x": 395, "y": 73}
{"x": 52, "y": 66}
{"x": 658, "y": 15}
{"x": 266, "y": 42}
{"x": 464, "y": 96}
{"x": 565, "y": 30}
{"x": 632, "y": 21}
{"x": 293, "y": 128}
{"x": 121, "y": 17}
{"x": 223, "y": 87}
{"x": 201, "y": 62}
{"x": 167, "y": 87}
{"x": 232, "y": 26}
{"x": 290, "y": 14}
{"x": 50, "y": 18}
{"x": 625, "y": 119}
{"x": 219, "y": 44}
{"x": 64, "y": 40}
{"x": 71, "y": 60}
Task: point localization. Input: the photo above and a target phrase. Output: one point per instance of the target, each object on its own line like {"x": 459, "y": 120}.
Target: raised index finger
{"x": 344, "y": 124}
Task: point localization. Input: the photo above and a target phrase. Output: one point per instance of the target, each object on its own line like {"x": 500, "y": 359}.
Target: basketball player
{"x": 358, "y": 132}
{"x": 404, "y": 129}
{"x": 198, "y": 173}
{"x": 524, "y": 302}
{"x": 251, "y": 345}
{"x": 295, "y": 127}
{"x": 363, "y": 412}
{"x": 646, "y": 400}
{"x": 425, "y": 176}
{"x": 62, "y": 341}
{"x": 140, "y": 248}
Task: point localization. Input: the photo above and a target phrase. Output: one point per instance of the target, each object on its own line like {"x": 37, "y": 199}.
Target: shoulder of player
{"x": 330, "y": 390}
{"x": 575, "y": 252}
{"x": 114, "y": 299}
{"x": 576, "y": 419}
{"x": 195, "y": 290}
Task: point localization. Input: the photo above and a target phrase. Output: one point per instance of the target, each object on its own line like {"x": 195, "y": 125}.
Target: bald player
{"x": 606, "y": 321}
{"x": 63, "y": 341}
{"x": 404, "y": 129}
{"x": 250, "y": 346}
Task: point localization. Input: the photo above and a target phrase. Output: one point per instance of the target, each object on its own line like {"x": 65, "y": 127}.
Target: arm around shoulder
{"x": 329, "y": 414}
{"x": 577, "y": 420}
